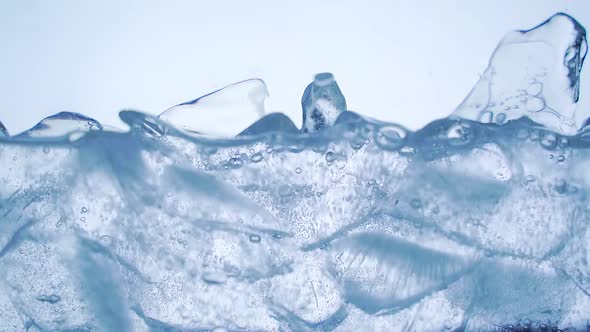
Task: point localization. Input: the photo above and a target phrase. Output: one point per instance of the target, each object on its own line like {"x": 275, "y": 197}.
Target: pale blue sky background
{"x": 402, "y": 61}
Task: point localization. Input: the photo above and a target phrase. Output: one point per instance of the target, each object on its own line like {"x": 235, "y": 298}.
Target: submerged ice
{"x": 477, "y": 222}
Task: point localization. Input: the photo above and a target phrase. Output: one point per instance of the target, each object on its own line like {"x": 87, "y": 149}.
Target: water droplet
{"x": 298, "y": 170}
{"x": 255, "y": 158}
{"x": 255, "y": 238}
{"x": 390, "y": 137}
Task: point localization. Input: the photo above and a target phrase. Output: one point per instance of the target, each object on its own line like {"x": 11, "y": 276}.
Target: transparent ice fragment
{"x": 3, "y": 130}
{"x": 61, "y": 124}
{"x": 533, "y": 73}
{"x": 322, "y": 103}
{"x": 235, "y": 106}
{"x": 273, "y": 122}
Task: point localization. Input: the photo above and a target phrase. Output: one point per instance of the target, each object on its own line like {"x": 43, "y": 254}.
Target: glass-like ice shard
{"x": 61, "y": 124}
{"x": 533, "y": 73}
{"x": 235, "y": 106}
{"x": 322, "y": 102}
{"x": 273, "y": 122}
{"x": 3, "y": 130}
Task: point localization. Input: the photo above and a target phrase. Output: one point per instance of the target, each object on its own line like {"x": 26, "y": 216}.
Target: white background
{"x": 402, "y": 61}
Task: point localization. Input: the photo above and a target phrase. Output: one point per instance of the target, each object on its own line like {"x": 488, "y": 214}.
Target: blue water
{"x": 477, "y": 222}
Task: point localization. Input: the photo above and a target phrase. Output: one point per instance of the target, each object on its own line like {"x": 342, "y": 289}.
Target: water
{"x": 476, "y": 222}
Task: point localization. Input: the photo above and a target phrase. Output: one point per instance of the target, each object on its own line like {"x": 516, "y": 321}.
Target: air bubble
{"x": 500, "y": 118}
{"x": 561, "y": 158}
{"x": 535, "y": 104}
{"x": 51, "y": 299}
{"x": 331, "y": 156}
{"x": 84, "y": 209}
{"x": 390, "y": 137}
{"x": 535, "y": 89}
{"x": 257, "y": 157}
{"x": 549, "y": 141}
{"x": 416, "y": 203}
{"x": 106, "y": 240}
{"x": 255, "y": 238}
{"x": 298, "y": 170}
{"x": 234, "y": 163}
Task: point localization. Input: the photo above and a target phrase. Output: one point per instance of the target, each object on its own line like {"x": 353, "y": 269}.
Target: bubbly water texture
{"x": 350, "y": 224}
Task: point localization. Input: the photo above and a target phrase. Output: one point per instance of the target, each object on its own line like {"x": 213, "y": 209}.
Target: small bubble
{"x": 45, "y": 149}
{"x": 83, "y": 219}
{"x": 255, "y": 238}
{"x": 561, "y": 158}
{"x": 269, "y": 149}
{"x": 530, "y": 178}
{"x": 252, "y": 151}
{"x": 14, "y": 158}
{"x": 255, "y": 158}
{"x": 298, "y": 170}
{"x": 95, "y": 234}
{"x": 84, "y": 209}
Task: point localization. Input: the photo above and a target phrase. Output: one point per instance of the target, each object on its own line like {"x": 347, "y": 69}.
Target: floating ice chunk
{"x": 61, "y": 124}
{"x": 3, "y": 130}
{"x": 235, "y": 106}
{"x": 381, "y": 273}
{"x": 277, "y": 122}
{"x": 533, "y": 73}
{"x": 322, "y": 103}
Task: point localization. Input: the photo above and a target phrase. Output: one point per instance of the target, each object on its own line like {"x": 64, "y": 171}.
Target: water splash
{"x": 349, "y": 224}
